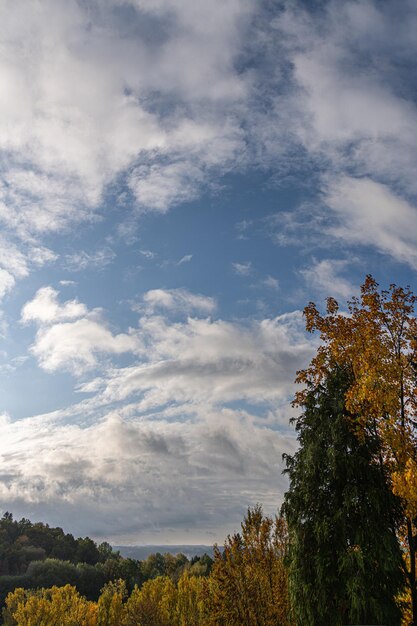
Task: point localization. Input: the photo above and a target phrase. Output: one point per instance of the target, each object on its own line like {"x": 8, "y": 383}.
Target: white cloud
{"x": 242, "y": 269}
{"x": 158, "y": 108}
{"x": 40, "y": 256}
{"x": 185, "y": 259}
{"x": 192, "y": 479}
{"x": 45, "y": 308}
{"x": 7, "y": 282}
{"x": 16, "y": 262}
{"x": 343, "y": 100}
{"x": 369, "y": 213}
{"x": 178, "y": 300}
{"x": 69, "y": 336}
{"x": 158, "y": 187}
{"x": 350, "y": 105}
{"x": 74, "y": 346}
{"x": 271, "y": 282}
{"x": 13, "y": 259}
{"x": 157, "y": 437}
{"x": 325, "y": 277}
{"x": 195, "y": 361}
{"x": 82, "y": 260}
{"x": 203, "y": 361}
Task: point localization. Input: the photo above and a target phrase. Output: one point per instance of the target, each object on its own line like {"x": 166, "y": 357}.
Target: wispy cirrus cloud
{"x": 83, "y": 260}
{"x": 176, "y": 300}
{"x": 242, "y": 269}
{"x": 326, "y": 278}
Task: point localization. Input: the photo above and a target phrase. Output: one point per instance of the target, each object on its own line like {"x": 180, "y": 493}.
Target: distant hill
{"x": 142, "y": 552}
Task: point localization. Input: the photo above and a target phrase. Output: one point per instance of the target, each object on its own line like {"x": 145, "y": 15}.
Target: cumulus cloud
{"x": 158, "y": 437}
{"x": 74, "y": 346}
{"x": 157, "y": 187}
{"x": 193, "y": 360}
{"x": 69, "y": 336}
{"x": 45, "y": 308}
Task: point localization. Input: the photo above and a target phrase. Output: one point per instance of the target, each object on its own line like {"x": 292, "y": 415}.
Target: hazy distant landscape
{"x": 142, "y": 552}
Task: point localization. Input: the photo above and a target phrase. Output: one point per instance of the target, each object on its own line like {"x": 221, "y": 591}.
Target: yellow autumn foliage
{"x": 377, "y": 341}
{"x": 61, "y": 606}
{"x": 248, "y": 585}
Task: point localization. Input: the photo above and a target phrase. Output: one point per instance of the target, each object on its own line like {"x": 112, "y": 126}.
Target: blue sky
{"x": 178, "y": 179}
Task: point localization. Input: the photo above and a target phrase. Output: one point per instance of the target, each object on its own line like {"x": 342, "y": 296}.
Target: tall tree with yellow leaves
{"x": 248, "y": 582}
{"x": 377, "y": 341}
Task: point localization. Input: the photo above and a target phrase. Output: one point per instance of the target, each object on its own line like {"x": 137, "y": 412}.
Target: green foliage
{"x": 247, "y": 586}
{"x": 22, "y": 542}
{"x": 10, "y": 583}
{"x": 34, "y": 556}
{"x": 344, "y": 560}
{"x": 87, "y": 551}
{"x": 201, "y": 565}
{"x": 110, "y": 604}
{"x": 90, "y": 580}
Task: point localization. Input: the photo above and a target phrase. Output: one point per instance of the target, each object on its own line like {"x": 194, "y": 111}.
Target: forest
{"x": 340, "y": 551}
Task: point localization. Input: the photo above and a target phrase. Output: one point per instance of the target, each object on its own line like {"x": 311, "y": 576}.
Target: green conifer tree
{"x": 345, "y": 563}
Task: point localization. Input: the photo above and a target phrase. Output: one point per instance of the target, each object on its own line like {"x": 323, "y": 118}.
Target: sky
{"x": 178, "y": 179}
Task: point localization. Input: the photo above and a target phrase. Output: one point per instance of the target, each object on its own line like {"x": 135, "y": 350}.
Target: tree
{"x": 378, "y": 342}
{"x": 344, "y": 558}
{"x": 87, "y": 551}
{"x": 248, "y": 581}
{"x": 191, "y": 600}
{"x": 52, "y": 572}
{"x": 110, "y": 607}
{"x": 154, "y": 603}
{"x": 49, "y": 607}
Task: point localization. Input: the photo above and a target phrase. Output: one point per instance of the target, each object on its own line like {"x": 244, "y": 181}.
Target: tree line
{"x": 247, "y": 584}
{"x": 34, "y": 556}
{"x": 342, "y": 551}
